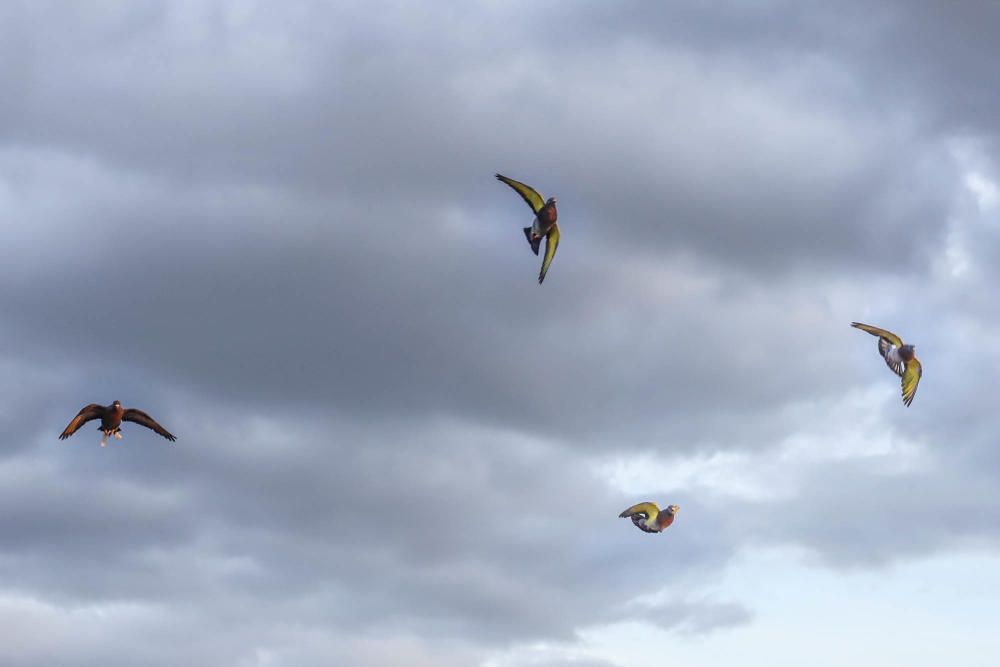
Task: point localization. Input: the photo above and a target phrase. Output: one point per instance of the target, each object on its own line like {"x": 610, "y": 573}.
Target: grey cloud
{"x": 572, "y": 662}
{"x": 698, "y": 617}
{"x": 314, "y": 319}
{"x": 787, "y": 178}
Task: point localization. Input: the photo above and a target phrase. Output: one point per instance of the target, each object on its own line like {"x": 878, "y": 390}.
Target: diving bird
{"x": 111, "y": 417}
{"x": 544, "y": 223}
{"x": 900, "y": 358}
{"x": 649, "y": 518}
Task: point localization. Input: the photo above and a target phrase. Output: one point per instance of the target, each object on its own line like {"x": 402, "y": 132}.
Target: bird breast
{"x": 547, "y": 215}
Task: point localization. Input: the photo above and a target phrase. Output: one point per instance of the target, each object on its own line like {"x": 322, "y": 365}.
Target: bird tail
{"x": 534, "y": 242}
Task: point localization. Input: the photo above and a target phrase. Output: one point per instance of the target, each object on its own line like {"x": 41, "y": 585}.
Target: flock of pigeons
{"x": 647, "y": 516}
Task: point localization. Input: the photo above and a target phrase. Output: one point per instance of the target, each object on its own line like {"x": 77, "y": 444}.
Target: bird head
{"x": 673, "y": 508}
{"x": 116, "y": 405}
{"x": 907, "y": 351}
{"x": 552, "y": 200}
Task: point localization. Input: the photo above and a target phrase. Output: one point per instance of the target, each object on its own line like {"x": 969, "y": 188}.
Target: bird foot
{"x": 118, "y": 436}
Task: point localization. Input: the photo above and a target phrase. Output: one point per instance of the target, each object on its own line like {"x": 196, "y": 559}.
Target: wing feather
{"x": 140, "y": 417}
{"x": 551, "y": 243}
{"x": 894, "y": 364}
{"x": 649, "y": 510}
{"x": 92, "y": 411}
{"x": 881, "y": 333}
{"x": 911, "y": 378}
{"x": 528, "y": 194}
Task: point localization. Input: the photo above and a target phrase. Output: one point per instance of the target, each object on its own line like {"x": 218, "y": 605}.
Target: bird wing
{"x": 881, "y": 333}
{"x": 911, "y": 378}
{"x": 894, "y": 364}
{"x": 650, "y": 510}
{"x": 140, "y": 417}
{"x": 92, "y": 411}
{"x": 551, "y": 243}
{"x": 528, "y": 194}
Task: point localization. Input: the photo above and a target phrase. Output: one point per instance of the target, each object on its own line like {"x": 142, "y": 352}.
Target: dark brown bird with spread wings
{"x": 111, "y": 417}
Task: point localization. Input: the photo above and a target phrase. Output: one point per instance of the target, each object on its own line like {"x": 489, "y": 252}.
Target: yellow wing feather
{"x": 551, "y": 243}
{"x": 528, "y": 194}
{"x": 881, "y": 333}
{"x": 911, "y": 378}
{"x": 649, "y": 509}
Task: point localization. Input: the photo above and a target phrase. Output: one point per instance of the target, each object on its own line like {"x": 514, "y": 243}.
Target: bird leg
{"x": 104, "y": 439}
{"x": 118, "y": 435}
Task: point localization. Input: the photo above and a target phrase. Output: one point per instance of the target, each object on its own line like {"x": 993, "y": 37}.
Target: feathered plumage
{"x": 111, "y": 417}
{"x": 899, "y": 357}
{"x": 649, "y": 518}
{"x": 544, "y": 224}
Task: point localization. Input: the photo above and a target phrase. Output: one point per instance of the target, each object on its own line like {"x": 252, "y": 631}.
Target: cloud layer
{"x": 278, "y": 232}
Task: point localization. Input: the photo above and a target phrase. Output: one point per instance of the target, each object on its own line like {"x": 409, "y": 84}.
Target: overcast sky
{"x": 277, "y": 230}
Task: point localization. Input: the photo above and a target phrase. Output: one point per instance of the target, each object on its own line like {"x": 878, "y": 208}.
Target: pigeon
{"x": 649, "y": 518}
{"x": 898, "y": 357}
{"x": 544, "y": 225}
{"x": 111, "y": 417}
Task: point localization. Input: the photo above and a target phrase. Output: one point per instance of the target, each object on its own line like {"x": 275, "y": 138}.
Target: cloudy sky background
{"x": 278, "y": 231}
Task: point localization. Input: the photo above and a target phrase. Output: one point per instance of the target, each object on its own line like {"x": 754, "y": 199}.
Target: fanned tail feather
{"x": 535, "y": 243}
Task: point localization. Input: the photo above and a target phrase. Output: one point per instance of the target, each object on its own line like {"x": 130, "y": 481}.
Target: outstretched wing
{"x": 911, "y": 378}
{"x": 881, "y": 333}
{"x": 92, "y": 411}
{"x": 649, "y": 510}
{"x": 528, "y": 194}
{"x": 140, "y": 417}
{"x": 551, "y": 243}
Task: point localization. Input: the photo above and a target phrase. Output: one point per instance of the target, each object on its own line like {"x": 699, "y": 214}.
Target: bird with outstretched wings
{"x": 899, "y": 357}
{"x": 111, "y": 417}
{"x": 543, "y": 226}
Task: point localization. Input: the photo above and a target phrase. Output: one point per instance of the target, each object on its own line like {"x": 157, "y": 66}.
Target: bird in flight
{"x": 901, "y": 359}
{"x": 544, "y": 224}
{"x": 649, "y": 518}
{"x": 111, "y": 417}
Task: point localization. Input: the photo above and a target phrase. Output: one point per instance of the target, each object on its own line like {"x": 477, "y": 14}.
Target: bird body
{"x": 899, "y": 357}
{"x": 893, "y": 359}
{"x": 111, "y": 417}
{"x": 111, "y": 420}
{"x": 544, "y": 225}
{"x": 649, "y": 518}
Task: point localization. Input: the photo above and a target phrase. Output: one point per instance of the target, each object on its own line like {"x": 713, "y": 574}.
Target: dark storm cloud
{"x": 324, "y": 314}
{"x": 648, "y": 144}
{"x": 278, "y": 232}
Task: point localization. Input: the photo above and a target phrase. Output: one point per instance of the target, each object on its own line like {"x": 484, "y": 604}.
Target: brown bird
{"x": 544, "y": 223}
{"x": 901, "y": 359}
{"x": 649, "y": 518}
{"x": 111, "y": 417}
